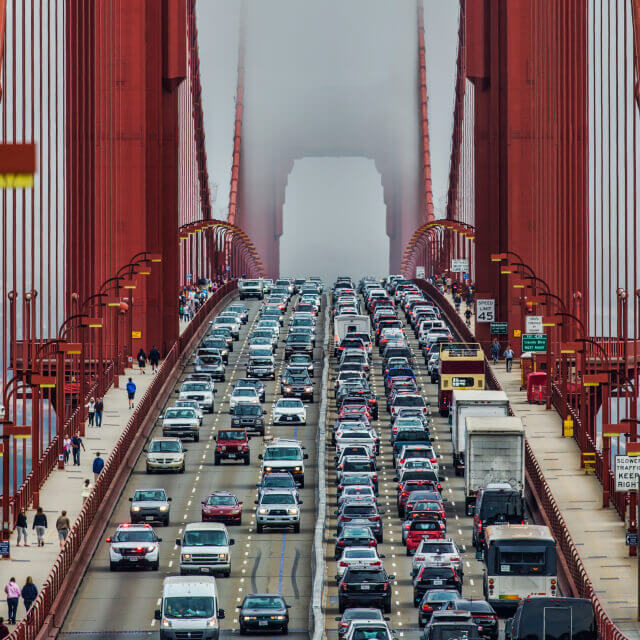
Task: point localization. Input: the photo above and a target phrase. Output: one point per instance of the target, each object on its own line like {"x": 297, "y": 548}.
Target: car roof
{"x": 210, "y": 526}
{"x": 166, "y": 439}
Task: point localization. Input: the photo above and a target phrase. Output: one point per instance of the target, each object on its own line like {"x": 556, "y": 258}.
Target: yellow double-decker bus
{"x": 461, "y": 367}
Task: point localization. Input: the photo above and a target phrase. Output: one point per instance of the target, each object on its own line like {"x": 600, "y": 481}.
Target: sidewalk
{"x": 598, "y": 533}
{"x": 63, "y": 488}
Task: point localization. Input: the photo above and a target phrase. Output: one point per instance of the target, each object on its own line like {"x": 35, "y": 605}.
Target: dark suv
{"x": 502, "y": 505}
{"x": 260, "y": 367}
{"x": 297, "y": 386}
{"x": 249, "y": 417}
{"x": 297, "y": 343}
{"x": 361, "y": 513}
{"x": 232, "y": 444}
{"x": 365, "y": 587}
{"x": 431, "y": 577}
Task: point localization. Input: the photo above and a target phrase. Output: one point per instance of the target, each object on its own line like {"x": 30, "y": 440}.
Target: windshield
{"x": 232, "y": 435}
{"x": 149, "y": 495}
{"x": 278, "y": 498}
{"x": 195, "y": 386}
{"x": 228, "y": 501}
{"x": 426, "y": 526}
{"x": 508, "y": 503}
{"x": 359, "y": 510}
{"x": 359, "y": 553}
{"x": 283, "y": 453}
{"x": 189, "y": 607}
{"x": 261, "y": 362}
{"x": 370, "y": 633}
{"x": 411, "y": 435}
{"x": 272, "y": 480}
{"x": 298, "y": 337}
{"x": 347, "y": 480}
{"x": 244, "y": 392}
{"x": 299, "y": 360}
{"x": 360, "y": 575}
{"x": 409, "y": 401}
{"x": 355, "y": 532}
{"x": 211, "y": 359}
{"x": 352, "y": 465}
{"x": 132, "y": 535}
{"x": 290, "y": 404}
{"x": 247, "y": 410}
{"x": 204, "y": 538}
{"x": 263, "y": 602}
{"x": 165, "y": 446}
{"x": 172, "y": 414}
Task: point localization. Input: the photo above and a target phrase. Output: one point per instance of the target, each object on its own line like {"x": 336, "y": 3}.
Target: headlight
{"x": 267, "y": 469}
{"x": 296, "y": 469}
{"x": 247, "y": 617}
{"x": 293, "y": 511}
{"x": 287, "y": 389}
{"x": 135, "y": 508}
{"x": 186, "y": 556}
{"x": 164, "y": 507}
{"x": 212, "y": 623}
{"x": 308, "y": 388}
{"x": 152, "y": 548}
{"x": 165, "y": 623}
{"x": 223, "y": 556}
{"x": 279, "y": 617}
{"x": 263, "y": 511}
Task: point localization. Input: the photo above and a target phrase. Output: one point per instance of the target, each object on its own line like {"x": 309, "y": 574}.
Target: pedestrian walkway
{"x": 598, "y": 533}
{"x": 62, "y": 490}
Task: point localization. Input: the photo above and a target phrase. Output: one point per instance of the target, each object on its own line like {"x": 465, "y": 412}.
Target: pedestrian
{"x": 40, "y": 525}
{"x": 98, "y": 466}
{"x": 91, "y": 410}
{"x": 21, "y": 526}
{"x": 29, "y": 593}
{"x": 86, "y": 490}
{"x": 13, "y": 597}
{"x": 457, "y": 300}
{"x": 467, "y": 314}
{"x": 131, "y": 392}
{"x": 495, "y": 350}
{"x": 142, "y": 360}
{"x": 66, "y": 447}
{"x": 76, "y": 444}
{"x": 154, "y": 358}
{"x": 508, "y": 355}
{"x": 4, "y": 630}
{"x": 62, "y": 526}
{"x": 99, "y": 410}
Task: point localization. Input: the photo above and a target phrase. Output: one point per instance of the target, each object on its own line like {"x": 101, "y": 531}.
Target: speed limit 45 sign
{"x": 485, "y": 310}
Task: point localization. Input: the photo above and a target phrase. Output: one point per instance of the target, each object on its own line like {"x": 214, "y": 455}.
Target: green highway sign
{"x": 534, "y": 342}
{"x": 499, "y": 329}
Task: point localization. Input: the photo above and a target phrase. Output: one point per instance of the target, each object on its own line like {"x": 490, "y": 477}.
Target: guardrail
{"x": 545, "y": 501}
{"x": 48, "y": 610}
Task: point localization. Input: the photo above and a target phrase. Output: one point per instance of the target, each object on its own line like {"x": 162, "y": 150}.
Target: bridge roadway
{"x": 113, "y": 605}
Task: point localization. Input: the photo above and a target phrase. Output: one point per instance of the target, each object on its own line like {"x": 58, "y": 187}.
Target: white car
{"x": 357, "y": 492}
{"x": 198, "y": 390}
{"x": 134, "y": 545}
{"x": 356, "y": 437}
{"x": 437, "y": 553}
{"x": 243, "y": 395}
{"x": 368, "y": 629}
{"x": 182, "y": 422}
{"x": 358, "y": 557}
{"x": 231, "y": 322}
{"x": 289, "y": 410}
{"x": 165, "y": 454}
{"x": 416, "y": 463}
{"x": 191, "y": 404}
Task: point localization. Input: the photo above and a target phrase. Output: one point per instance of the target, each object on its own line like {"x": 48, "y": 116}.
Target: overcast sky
{"x": 326, "y": 198}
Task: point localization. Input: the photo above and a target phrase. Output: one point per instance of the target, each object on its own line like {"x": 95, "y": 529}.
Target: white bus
{"x": 520, "y": 561}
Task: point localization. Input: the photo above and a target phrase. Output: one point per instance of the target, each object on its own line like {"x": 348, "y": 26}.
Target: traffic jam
{"x": 427, "y": 529}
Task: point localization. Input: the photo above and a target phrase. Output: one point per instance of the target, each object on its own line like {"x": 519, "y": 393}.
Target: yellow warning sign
{"x": 136, "y": 335}
{"x": 517, "y": 333}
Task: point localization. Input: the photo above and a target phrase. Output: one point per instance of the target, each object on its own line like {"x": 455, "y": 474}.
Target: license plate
{"x": 262, "y": 623}
{"x": 365, "y": 587}
{"x": 437, "y": 582}
{"x": 148, "y": 517}
{"x": 288, "y": 417}
{"x": 232, "y": 455}
{"x": 132, "y": 558}
{"x": 205, "y": 569}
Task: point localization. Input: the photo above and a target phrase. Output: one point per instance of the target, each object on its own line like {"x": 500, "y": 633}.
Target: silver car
{"x": 165, "y": 454}
{"x": 150, "y": 505}
{"x": 278, "y": 508}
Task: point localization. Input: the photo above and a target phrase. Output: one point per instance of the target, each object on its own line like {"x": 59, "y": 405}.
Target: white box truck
{"x": 349, "y": 324}
{"x": 472, "y": 403}
{"x": 495, "y": 455}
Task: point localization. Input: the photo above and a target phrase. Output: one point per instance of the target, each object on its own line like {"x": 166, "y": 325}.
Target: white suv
{"x": 134, "y": 545}
{"x": 198, "y": 390}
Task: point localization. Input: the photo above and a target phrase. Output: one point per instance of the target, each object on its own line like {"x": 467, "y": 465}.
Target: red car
{"x": 222, "y": 506}
{"x": 354, "y": 411}
{"x": 424, "y": 528}
{"x": 232, "y": 444}
{"x": 409, "y": 487}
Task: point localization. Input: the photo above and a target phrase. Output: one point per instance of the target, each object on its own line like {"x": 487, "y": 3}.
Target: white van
{"x": 189, "y": 605}
{"x": 205, "y": 548}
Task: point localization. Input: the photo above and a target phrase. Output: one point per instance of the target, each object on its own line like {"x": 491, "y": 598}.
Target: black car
{"x": 354, "y": 536}
{"x": 260, "y": 367}
{"x": 365, "y": 587}
{"x": 249, "y": 416}
{"x": 297, "y": 343}
{"x": 297, "y": 386}
{"x": 263, "y": 612}
{"x": 495, "y": 505}
{"x": 434, "y": 578}
{"x": 482, "y": 613}
{"x": 435, "y": 600}
{"x": 451, "y": 631}
{"x": 258, "y": 385}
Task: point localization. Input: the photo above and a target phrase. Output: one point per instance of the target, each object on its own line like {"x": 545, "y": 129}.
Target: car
{"x": 368, "y": 630}
{"x": 369, "y": 587}
{"x": 241, "y": 310}
{"x": 263, "y": 612}
{"x": 277, "y": 481}
{"x": 437, "y": 553}
{"x": 414, "y": 485}
{"x": 283, "y": 455}
{"x": 150, "y": 505}
{"x": 218, "y": 344}
{"x": 258, "y": 385}
{"x": 134, "y": 545}
{"x": 447, "y": 616}
{"x": 205, "y": 548}
{"x": 249, "y": 417}
{"x": 358, "y": 557}
{"x": 434, "y": 600}
{"x": 246, "y": 395}
{"x": 448, "y": 630}
{"x": 279, "y": 508}
{"x": 297, "y": 386}
{"x": 165, "y": 454}
{"x": 420, "y": 509}
{"x": 354, "y": 536}
{"x": 360, "y": 465}
{"x": 260, "y": 367}
{"x": 482, "y": 613}
{"x": 213, "y": 365}
{"x": 289, "y": 410}
{"x": 355, "y": 480}
{"x": 364, "y": 513}
{"x": 232, "y": 444}
{"x": 427, "y": 526}
{"x": 353, "y": 614}
{"x": 198, "y": 390}
{"x": 222, "y": 506}
{"x": 182, "y": 422}
{"x": 434, "y": 578}
{"x": 191, "y": 404}
{"x": 297, "y": 343}
{"x": 302, "y": 360}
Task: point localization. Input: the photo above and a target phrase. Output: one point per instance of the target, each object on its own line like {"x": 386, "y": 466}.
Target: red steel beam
{"x": 424, "y": 116}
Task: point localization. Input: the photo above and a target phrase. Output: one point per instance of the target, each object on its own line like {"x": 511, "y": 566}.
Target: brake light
{"x": 373, "y": 543}
{"x": 375, "y": 478}
{"x": 345, "y": 519}
{"x": 385, "y": 586}
{"x": 343, "y": 586}
{"x": 340, "y": 543}
{"x": 426, "y": 607}
{"x": 374, "y": 518}
{"x": 138, "y": 548}
{"x": 344, "y": 564}
{"x": 436, "y": 460}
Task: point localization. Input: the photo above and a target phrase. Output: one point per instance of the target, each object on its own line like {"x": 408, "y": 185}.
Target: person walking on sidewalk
{"x": 76, "y": 443}
{"x": 13, "y": 597}
{"x": 29, "y": 593}
{"x": 154, "y": 358}
{"x": 508, "y": 355}
{"x": 40, "y": 525}
{"x": 467, "y": 314}
{"x": 142, "y": 360}
{"x": 86, "y": 490}
{"x": 91, "y": 410}
{"x": 21, "y": 526}
{"x": 495, "y": 350}
{"x": 98, "y": 466}
{"x": 99, "y": 410}
{"x": 131, "y": 392}
{"x": 62, "y": 526}
{"x": 66, "y": 447}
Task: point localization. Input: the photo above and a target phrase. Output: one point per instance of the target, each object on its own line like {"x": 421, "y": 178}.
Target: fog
{"x": 331, "y": 122}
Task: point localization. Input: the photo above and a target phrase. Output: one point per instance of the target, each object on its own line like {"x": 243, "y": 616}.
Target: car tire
{"x": 113, "y": 566}
{"x": 211, "y": 409}
{"x": 182, "y": 469}
{"x": 408, "y": 552}
{"x": 296, "y": 527}
{"x": 226, "y": 574}
{"x": 242, "y": 630}
{"x": 155, "y": 566}
{"x": 387, "y": 606}
{"x": 166, "y": 523}
{"x": 285, "y": 629}
{"x": 148, "y": 469}
{"x": 381, "y": 538}
{"x": 259, "y": 528}
{"x": 247, "y": 460}
{"x": 222, "y": 379}
{"x": 341, "y": 606}
{"x": 196, "y": 438}
{"x": 216, "y": 460}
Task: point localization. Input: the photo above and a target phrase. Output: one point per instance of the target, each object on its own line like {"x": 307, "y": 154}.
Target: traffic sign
{"x": 533, "y": 324}
{"x": 465, "y": 276}
{"x": 534, "y": 343}
{"x": 485, "y": 310}
{"x": 4, "y": 548}
{"x": 189, "y": 276}
{"x": 499, "y": 329}
{"x": 459, "y": 265}
{"x": 627, "y": 472}
{"x": 420, "y": 272}
{"x": 632, "y": 539}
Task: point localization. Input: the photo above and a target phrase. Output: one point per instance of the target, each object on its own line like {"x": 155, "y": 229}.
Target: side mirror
{"x": 300, "y": 501}
{"x": 392, "y": 576}
{"x": 203, "y": 502}
{"x": 337, "y": 618}
{"x": 259, "y": 485}
{"x": 178, "y": 541}
{"x": 259, "y": 456}
{"x": 215, "y": 437}
{"x": 306, "y": 456}
{"x": 158, "y": 539}
{"x": 221, "y": 614}
{"x": 145, "y": 451}
{"x": 231, "y": 541}
{"x": 255, "y": 502}
{"x": 157, "y": 614}
{"x": 130, "y": 499}
{"x": 336, "y": 512}
{"x": 386, "y": 618}
{"x": 264, "y": 413}
{"x": 381, "y": 555}
{"x": 185, "y": 450}
{"x": 169, "y": 499}
{"x": 479, "y": 554}
{"x": 215, "y": 391}
{"x": 177, "y": 391}
{"x": 161, "y": 417}
{"x": 335, "y": 535}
